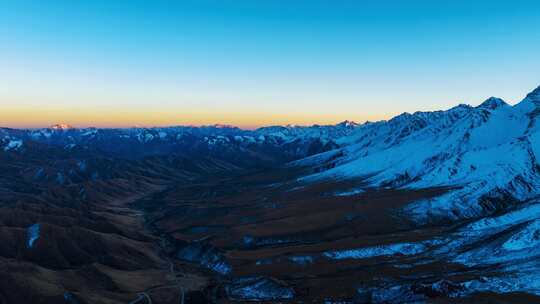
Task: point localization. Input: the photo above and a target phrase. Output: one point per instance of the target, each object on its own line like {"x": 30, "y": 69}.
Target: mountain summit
{"x": 535, "y": 94}
{"x": 492, "y": 103}
{"x": 61, "y": 126}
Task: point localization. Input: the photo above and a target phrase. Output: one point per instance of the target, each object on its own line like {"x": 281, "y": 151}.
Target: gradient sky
{"x": 258, "y": 62}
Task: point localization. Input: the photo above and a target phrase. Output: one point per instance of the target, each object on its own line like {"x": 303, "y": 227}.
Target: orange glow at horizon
{"x": 116, "y": 117}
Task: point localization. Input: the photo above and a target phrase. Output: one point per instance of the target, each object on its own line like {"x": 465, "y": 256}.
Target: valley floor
{"x": 266, "y": 237}
{"x": 238, "y": 237}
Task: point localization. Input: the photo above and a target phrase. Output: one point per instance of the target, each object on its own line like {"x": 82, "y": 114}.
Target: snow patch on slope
{"x": 32, "y": 233}
{"x": 370, "y": 252}
{"x": 13, "y": 144}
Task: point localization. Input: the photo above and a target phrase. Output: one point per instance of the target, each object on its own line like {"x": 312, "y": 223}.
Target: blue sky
{"x": 251, "y": 63}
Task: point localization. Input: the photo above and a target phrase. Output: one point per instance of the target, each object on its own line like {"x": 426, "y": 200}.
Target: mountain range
{"x": 443, "y": 204}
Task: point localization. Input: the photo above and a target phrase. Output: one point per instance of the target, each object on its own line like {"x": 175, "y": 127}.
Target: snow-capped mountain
{"x": 324, "y": 132}
{"x": 487, "y": 154}
{"x": 276, "y": 134}
{"x": 225, "y": 141}
{"x": 61, "y": 127}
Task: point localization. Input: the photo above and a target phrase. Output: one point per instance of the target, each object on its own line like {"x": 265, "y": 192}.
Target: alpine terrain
{"x": 437, "y": 207}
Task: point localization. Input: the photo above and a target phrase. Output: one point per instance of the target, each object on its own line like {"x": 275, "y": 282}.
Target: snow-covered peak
{"x": 348, "y": 124}
{"x": 534, "y": 95}
{"x": 531, "y": 101}
{"x": 61, "y": 127}
{"x": 461, "y": 106}
{"x": 492, "y": 103}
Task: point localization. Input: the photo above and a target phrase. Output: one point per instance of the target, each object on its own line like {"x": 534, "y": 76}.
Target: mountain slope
{"x": 488, "y": 154}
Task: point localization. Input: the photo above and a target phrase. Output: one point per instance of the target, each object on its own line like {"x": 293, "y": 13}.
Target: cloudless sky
{"x": 258, "y": 62}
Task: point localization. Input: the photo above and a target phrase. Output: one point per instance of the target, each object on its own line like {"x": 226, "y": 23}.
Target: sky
{"x": 260, "y": 62}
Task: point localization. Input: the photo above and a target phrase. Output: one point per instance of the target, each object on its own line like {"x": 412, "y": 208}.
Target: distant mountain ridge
{"x": 162, "y": 140}
{"x": 224, "y": 142}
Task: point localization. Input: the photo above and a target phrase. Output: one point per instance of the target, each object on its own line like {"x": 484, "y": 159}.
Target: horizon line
{"x": 244, "y": 126}
{"x": 216, "y": 125}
